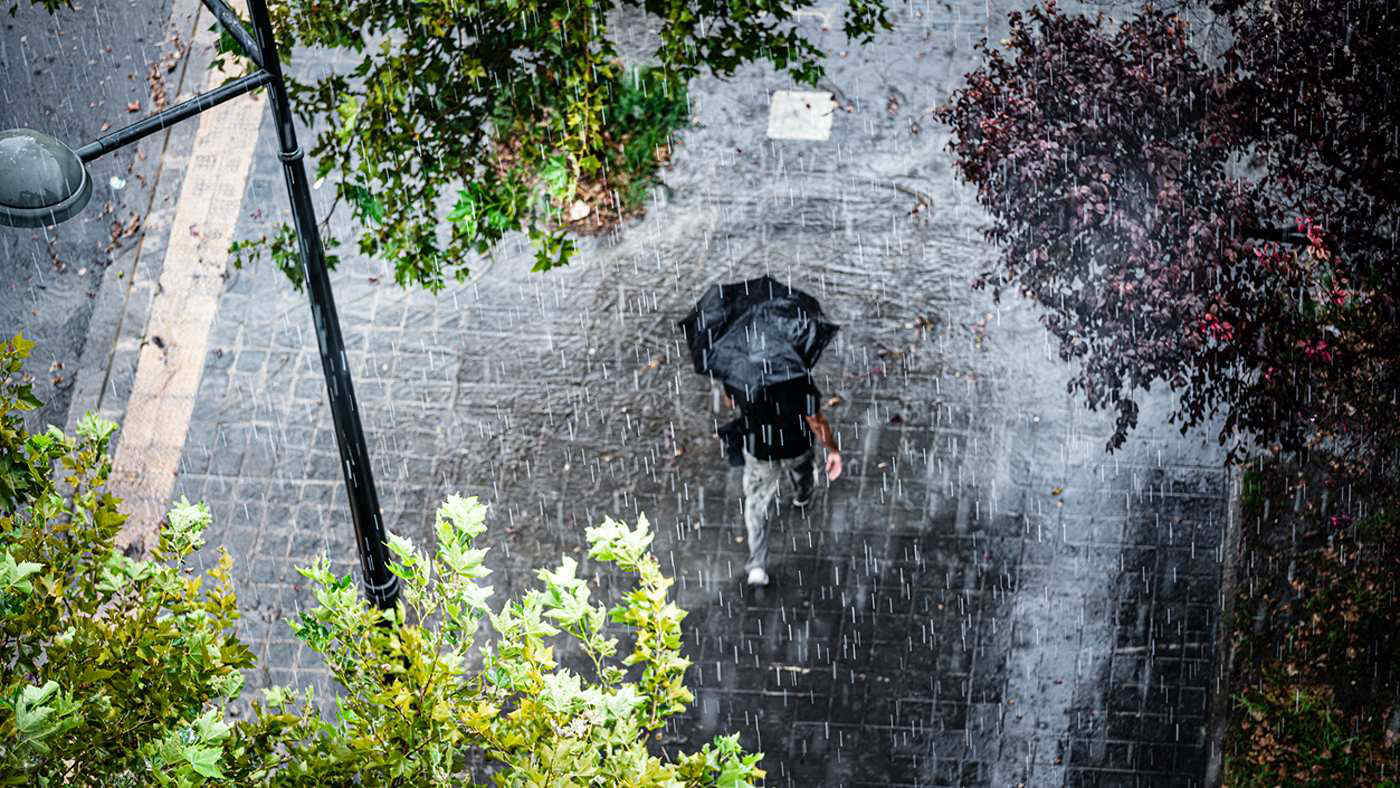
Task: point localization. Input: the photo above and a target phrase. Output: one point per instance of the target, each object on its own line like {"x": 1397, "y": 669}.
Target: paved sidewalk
{"x": 985, "y": 598}
{"x": 75, "y": 75}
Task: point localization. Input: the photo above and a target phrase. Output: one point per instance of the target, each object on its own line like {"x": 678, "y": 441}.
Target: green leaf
{"x": 25, "y": 399}
{"x": 42, "y": 713}
{"x": 369, "y": 205}
{"x": 184, "y": 528}
{"x": 276, "y": 696}
{"x": 205, "y": 761}
{"x": 555, "y": 177}
{"x": 464, "y": 515}
{"x": 14, "y": 576}
{"x": 22, "y": 346}
{"x": 464, "y": 207}
{"x": 96, "y": 428}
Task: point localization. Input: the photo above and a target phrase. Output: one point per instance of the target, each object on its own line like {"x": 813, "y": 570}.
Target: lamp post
{"x": 44, "y": 182}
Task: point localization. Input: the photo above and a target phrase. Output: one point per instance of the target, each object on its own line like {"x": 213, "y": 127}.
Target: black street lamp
{"x": 44, "y": 182}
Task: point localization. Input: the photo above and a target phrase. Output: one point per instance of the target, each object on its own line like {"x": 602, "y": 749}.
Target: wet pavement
{"x": 984, "y": 598}
{"x": 74, "y": 76}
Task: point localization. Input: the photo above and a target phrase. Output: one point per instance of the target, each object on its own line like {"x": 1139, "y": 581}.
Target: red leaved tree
{"x": 1225, "y": 226}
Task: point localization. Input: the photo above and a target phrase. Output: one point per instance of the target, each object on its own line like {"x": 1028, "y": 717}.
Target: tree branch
{"x": 1275, "y": 234}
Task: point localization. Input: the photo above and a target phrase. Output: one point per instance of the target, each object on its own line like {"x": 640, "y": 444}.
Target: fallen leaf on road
{"x": 156, "y": 71}
{"x": 134, "y": 106}
{"x": 1056, "y": 490}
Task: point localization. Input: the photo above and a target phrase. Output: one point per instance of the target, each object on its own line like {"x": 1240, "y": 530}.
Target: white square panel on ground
{"x": 800, "y": 115}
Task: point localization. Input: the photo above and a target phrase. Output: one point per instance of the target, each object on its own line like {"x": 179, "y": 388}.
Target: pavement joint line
{"x": 171, "y": 359}
{"x": 160, "y": 227}
{"x": 107, "y": 341}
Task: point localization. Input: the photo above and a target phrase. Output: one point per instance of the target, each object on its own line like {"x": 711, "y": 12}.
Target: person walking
{"x": 761, "y": 339}
{"x": 778, "y": 423}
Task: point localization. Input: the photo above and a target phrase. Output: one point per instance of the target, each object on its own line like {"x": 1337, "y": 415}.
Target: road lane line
{"x": 171, "y": 359}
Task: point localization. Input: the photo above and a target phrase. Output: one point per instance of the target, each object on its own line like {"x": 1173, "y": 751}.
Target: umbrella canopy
{"x": 756, "y": 333}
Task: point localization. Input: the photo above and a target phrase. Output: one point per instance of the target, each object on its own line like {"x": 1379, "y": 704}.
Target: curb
{"x": 117, "y": 329}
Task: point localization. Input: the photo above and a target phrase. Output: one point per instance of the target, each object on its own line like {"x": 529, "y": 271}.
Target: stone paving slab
{"x": 940, "y": 617}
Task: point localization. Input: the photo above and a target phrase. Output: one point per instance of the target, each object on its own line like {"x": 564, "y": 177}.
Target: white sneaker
{"x": 758, "y": 577}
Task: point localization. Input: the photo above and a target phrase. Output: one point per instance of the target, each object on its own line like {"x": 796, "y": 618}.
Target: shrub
{"x": 415, "y": 710}
{"x": 112, "y": 671}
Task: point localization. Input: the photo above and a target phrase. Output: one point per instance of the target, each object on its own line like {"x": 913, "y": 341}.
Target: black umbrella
{"x": 756, "y": 333}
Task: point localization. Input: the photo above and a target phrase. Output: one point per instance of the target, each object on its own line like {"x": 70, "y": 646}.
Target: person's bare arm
{"x": 822, "y": 430}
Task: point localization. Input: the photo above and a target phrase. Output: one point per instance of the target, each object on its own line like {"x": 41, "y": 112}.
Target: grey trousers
{"x": 761, "y": 481}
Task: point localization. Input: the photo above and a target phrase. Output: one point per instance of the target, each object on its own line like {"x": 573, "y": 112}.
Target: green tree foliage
{"x": 460, "y": 122}
{"x": 116, "y": 671}
{"x": 48, "y": 5}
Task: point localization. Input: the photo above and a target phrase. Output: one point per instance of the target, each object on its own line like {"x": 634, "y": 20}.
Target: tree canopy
{"x": 1225, "y": 225}
{"x": 460, "y": 122}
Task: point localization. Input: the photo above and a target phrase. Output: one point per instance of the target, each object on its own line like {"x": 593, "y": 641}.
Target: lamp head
{"x": 42, "y": 181}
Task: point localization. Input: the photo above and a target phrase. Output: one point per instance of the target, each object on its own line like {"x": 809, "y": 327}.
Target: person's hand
{"x": 833, "y": 465}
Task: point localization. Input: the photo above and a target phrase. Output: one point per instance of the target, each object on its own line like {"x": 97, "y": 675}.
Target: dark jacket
{"x": 772, "y": 418}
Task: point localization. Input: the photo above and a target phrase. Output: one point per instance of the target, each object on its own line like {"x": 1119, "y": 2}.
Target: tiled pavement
{"x": 73, "y": 76}
{"x": 943, "y": 617}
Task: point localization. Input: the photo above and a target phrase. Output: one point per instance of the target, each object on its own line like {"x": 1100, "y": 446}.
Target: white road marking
{"x": 191, "y": 281}
{"x": 800, "y": 115}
